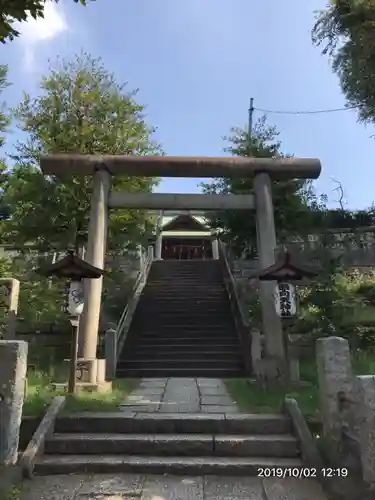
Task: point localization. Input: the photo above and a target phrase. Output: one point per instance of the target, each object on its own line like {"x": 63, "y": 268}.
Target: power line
{"x": 305, "y": 112}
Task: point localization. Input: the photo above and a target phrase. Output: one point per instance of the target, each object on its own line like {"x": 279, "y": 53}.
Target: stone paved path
{"x": 187, "y": 395}
{"x": 180, "y": 395}
{"x": 137, "y": 487}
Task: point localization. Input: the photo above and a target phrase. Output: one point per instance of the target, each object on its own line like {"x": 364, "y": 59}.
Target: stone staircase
{"x": 183, "y": 325}
{"x": 189, "y": 444}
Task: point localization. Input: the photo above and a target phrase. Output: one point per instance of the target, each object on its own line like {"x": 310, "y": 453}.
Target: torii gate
{"x": 102, "y": 168}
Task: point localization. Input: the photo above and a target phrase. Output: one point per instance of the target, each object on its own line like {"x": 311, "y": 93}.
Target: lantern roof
{"x": 71, "y": 267}
{"x": 287, "y": 268}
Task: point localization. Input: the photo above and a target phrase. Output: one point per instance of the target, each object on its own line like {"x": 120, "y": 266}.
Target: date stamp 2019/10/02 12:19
{"x": 301, "y": 472}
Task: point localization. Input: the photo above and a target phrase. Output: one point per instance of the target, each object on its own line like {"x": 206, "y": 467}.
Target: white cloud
{"x": 35, "y": 32}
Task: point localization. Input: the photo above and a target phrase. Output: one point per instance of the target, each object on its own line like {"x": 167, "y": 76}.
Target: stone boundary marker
{"x": 45, "y": 429}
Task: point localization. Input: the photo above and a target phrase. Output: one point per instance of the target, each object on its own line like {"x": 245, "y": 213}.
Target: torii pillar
{"x": 266, "y": 244}
{"x": 95, "y": 255}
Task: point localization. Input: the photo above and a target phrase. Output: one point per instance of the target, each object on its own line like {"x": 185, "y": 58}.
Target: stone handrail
{"x": 242, "y": 327}
{"x": 127, "y": 315}
{"x": 309, "y": 451}
{"x": 36, "y": 445}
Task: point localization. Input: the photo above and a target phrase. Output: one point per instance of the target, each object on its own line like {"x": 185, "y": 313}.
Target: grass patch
{"x": 363, "y": 363}
{"x": 251, "y": 398}
{"x": 40, "y": 394}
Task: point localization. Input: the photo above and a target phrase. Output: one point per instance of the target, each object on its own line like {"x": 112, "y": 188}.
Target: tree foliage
{"x": 19, "y": 10}
{"x": 294, "y": 200}
{"x": 4, "y": 122}
{"x": 81, "y": 109}
{"x": 346, "y": 30}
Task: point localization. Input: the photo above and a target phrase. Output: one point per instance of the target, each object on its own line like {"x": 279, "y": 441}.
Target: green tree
{"x": 4, "y": 122}
{"x": 294, "y": 201}
{"x": 346, "y": 31}
{"x": 19, "y": 10}
{"x": 81, "y": 109}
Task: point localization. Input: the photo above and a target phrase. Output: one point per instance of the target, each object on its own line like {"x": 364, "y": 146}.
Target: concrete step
{"x": 174, "y": 423}
{"x": 192, "y": 372}
{"x": 229, "y": 466}
{"x": 173, "y": 445}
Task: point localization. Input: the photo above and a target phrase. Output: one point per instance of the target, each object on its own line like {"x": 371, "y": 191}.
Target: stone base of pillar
{"x": 84, "y": 387}
{"x": 89, "y": 371}
{"x": 272, "y": 373}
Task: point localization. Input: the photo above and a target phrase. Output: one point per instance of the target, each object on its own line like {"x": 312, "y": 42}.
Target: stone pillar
{"x": 366, "y": 398}
{"x": 110, "y": 347}
{"x": 215, "y": 248}
{"x": 11, "y": 290}
{"x": 158, "y": 245}
{"x": 266, "y": 240}
{"x": 335, "y": 377}
{"x": 13, "y": 367}
{"x": 95, "y": 255}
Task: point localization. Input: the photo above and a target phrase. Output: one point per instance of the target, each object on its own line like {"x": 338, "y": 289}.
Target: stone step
{"x": 207, "y": 327}
{"x": 181, "y": 353}
{"x": 173, "y": 445}
{"x": 181, "y": 344}
{"x": 174, "y": 423}
{"x": 170, "y": 331}
{"x": 184, "y": 372}
{"x": 178, "y": 296}
{"x": 183, "y": 337}
{"x": 229, "y": 466}
{"x": 171, "y": 364}
{"x": 172, "y": 323}
{"x": 183, "y": 340}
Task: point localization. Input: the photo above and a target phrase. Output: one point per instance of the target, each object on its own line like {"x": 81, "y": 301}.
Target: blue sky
{"x": 197, "y": 63}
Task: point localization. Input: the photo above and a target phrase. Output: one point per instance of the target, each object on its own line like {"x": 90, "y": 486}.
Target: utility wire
{"x": 304, "y": 112}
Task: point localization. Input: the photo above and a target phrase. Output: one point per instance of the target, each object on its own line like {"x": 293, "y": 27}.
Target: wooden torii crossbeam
{"x": 181, "y": 166}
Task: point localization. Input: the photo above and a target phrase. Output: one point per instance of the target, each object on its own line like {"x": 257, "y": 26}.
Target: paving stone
{"x": 212, "y": 391}
{"x": 143, "y": 398}
{"x": 146, "y": 408}
{"x": 173, "y": 488}
{"x": 181, "y": 395}
{"x": 150, "y": 385}
{"x": 106, "y": 497}
{"x": 213, "y": 382}
{"x": 62, "y": 487}
{"x": 233, "y": 488}
{"x": 218, "y": 409}
{"x": 148, "y": 391}
{"x": 293, "y": 489}
{"x": 109, "y": 484}
{"x": 217, "y": 400}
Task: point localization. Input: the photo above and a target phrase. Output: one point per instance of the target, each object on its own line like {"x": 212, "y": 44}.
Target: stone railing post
{"x": 13, "y": 367}
{"x": 110, "y": 348}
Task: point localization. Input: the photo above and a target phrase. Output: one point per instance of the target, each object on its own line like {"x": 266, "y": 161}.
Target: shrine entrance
{"x": 186, "y": 249}
{"x": 103, "y": 167}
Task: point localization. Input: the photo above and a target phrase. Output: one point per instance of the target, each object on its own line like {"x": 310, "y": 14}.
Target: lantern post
{"x": 74, "y": 270}
{"x": 288, "y": 272}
